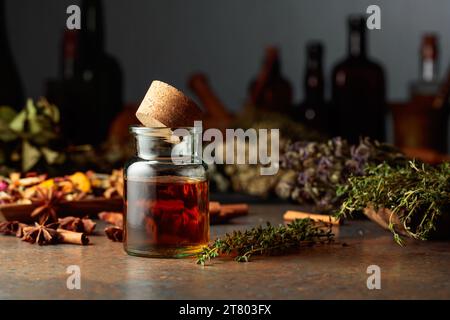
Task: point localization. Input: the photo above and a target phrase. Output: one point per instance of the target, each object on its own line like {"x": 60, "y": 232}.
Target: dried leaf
{"x": 30, "y": 156}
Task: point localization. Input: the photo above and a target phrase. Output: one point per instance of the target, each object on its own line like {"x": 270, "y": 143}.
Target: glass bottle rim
{"x": 140, "y": 129}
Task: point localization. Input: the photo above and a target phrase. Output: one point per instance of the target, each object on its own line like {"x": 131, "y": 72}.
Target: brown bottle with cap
{"x": 422, "y": 123}
{"x": 358, "y": 89}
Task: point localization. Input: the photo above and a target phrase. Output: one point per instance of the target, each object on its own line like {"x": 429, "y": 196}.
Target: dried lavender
{"x": 316, "y": 169}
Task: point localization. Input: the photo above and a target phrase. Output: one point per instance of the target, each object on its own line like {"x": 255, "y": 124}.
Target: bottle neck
{"x": 167, "y": 146}
{"x": 357, "y": 43}
{"x": 314, "y": 81}
{"x": 314, "y": 88}
{"x": 429, "y": 59}
{"x": 91, "y": 34}
{"x": 4, "y": 44}
{"x": 429, "y": 70}
{"x": 69, "y": 53}
{"x": 275, "y": 71}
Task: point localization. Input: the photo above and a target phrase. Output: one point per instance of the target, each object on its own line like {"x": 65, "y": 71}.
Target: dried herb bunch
{"x": 418, "y": 194}
{"x": 316, "y": 169}
{"x": 269, "y": 240}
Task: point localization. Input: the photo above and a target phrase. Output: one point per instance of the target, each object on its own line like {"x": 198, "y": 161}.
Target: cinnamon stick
{"x": 72, "y": 237}
{"x": 115, "y": 218}
{"x": 199, "y": 84}
{"x": 220, "y": 213}
{"x": 292, "y": 215}
{"x": 238, "y": 209}
{"x": 214, "y": 207}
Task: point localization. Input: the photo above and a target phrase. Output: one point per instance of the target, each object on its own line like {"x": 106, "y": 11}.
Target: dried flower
{"x": 316, "y": 169}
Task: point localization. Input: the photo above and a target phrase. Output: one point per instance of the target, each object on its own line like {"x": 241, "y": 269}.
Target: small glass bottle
{"x": 166, "y": 194}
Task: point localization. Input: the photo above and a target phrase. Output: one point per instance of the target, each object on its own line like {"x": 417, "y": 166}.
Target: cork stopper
{"x": 166, "y": 106}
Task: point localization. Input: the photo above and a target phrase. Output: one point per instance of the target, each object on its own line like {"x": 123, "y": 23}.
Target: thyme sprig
{"x": 418, "y": 194}
{"x": 268, "y": 240}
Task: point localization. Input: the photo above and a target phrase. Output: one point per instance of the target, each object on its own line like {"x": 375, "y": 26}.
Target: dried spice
{"x": 115, "y": 186}
{"x": 84, "y": 225}
{"x": 115, "y": 218}
{"x": 47, "y": 200}
{"x": 416, "y": 193}
{"x": 114, "y": 233}
{"x": 316, "y": 169}
{"x": 269, "y": 240}
{"x": 20, "y": 190}
{"x": 12, "y": 228}
{"x": 66, "y": 236}
{"x": 41, "y": 234}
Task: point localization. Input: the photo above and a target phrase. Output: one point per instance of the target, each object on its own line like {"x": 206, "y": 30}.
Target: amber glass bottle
{"x": 166, "y": 199}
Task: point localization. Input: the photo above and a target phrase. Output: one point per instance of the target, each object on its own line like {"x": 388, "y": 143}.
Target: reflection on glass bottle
{"x": 11, "y": 92}
{"x": 358, "y": 90}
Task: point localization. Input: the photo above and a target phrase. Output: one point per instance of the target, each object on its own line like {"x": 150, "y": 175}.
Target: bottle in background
{"x": 271, "y": 91}
{"x": 69, "y": 54}
{"x": 99, "y": 80}
{"x": 358, "y": 89}
{"x": 429, "y": 61}
{"x": 11, "y": 91}
{"x": 313, "y": 110}
{"x": 428, "y": 82}
{"x": 420, "y": 126}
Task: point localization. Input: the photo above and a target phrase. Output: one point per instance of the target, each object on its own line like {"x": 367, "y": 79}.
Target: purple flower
{"x": 3, "y": 186}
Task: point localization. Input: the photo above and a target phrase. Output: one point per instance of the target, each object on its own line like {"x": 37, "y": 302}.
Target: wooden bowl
{"x": 78, "y": 208}
{"x": 383, "y": 215}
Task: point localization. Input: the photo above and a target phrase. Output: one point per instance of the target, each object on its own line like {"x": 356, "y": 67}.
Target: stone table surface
{"x": 419, "y": 270}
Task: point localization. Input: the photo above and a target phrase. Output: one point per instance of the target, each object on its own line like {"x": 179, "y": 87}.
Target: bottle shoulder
{"x": 139, "y": 167}
{"x": 351, "y": 63}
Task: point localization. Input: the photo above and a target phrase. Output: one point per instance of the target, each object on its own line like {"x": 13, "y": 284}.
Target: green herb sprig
{"x": 416, "y": 193}
{"x": 268, "y": 240}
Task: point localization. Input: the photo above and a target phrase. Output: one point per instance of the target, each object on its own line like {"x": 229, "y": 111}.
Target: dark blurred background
{"x": 231, "y": 54}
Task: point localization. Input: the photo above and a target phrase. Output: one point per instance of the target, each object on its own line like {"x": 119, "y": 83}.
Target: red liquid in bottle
{"x": 166, "y": 216}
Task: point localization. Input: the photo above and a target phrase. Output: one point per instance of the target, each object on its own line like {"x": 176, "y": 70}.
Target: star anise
{"x": 114, "y": 233}
{"x": 41, "y": 234}
{"x": 47, "y": 200}
{"x": 12, "y": 228}
{"x": 84, "y": 225}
